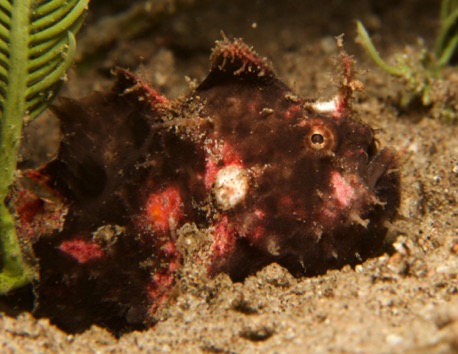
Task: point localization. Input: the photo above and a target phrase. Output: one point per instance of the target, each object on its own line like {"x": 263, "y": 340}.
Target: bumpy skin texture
{"x": 274, "y": 178}
{"x": 319, "y": 191}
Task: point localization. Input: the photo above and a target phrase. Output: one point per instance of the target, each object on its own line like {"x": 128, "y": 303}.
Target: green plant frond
{"x": 44, "y": 71}
{"x": 48, "y": 50}
{"x": 366, "y": 42}
{"x": 47, "y": 76}
{"x": 4, "y": 33}
{"x": 449, "y": 51}
{"x": 45, "y": 8}
{"x": 6, "y": 5}
{"x": 448, "y": 30}
{"x": 4, "y": 18}
{"x": 3, "y": 72}
{"x": 37, "y": 46}
{"x": 43, "y": 31}
{"x": 39, "y": 49}
{"x": 38, "y": 104}
{"x": 54, "y": 43}
{"x": 45, "y": 14}
{"x": 447, "y": 6}
{"x": 53, "y": 52}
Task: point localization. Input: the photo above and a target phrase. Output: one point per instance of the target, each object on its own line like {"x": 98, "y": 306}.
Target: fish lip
{"x": 380, "y": 165}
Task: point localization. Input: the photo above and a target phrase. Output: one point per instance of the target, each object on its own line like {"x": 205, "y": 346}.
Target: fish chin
{"x": 384, "y": 182}
{"x": 384, "y": 162}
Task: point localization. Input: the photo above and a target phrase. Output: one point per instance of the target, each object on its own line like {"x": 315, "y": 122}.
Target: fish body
{"x": 271, "y": 176}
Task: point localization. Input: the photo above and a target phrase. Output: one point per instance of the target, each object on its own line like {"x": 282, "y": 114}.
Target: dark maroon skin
{"x": 323, "y": 189}
{"x": 318, "y": 191}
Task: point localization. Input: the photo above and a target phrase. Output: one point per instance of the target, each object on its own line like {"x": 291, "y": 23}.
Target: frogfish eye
{"x": 321, "y": 135}
{"x": 317, "y": 139}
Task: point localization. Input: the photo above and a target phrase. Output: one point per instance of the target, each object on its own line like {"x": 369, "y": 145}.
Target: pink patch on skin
{"x": 340, "y": 107}
{"x": 159, "y": 290}
{"x": 174, "y": 266}
{"x": 258, "y": 234}
{"x": 163, "y": 209}
{"x": 169, "y": 248}
{"x": 231, "y": 156}
{"x": 82, "y": 251}
{"x": 163, "y": 280}
{"x": 302, "y": 123}
{"x": 260, "y": 214}
{"x": 329, "y": 215}
{"x": 343, "y": 192}
{"x": 292, "y": 112}
{"x": 224, "y": 238}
